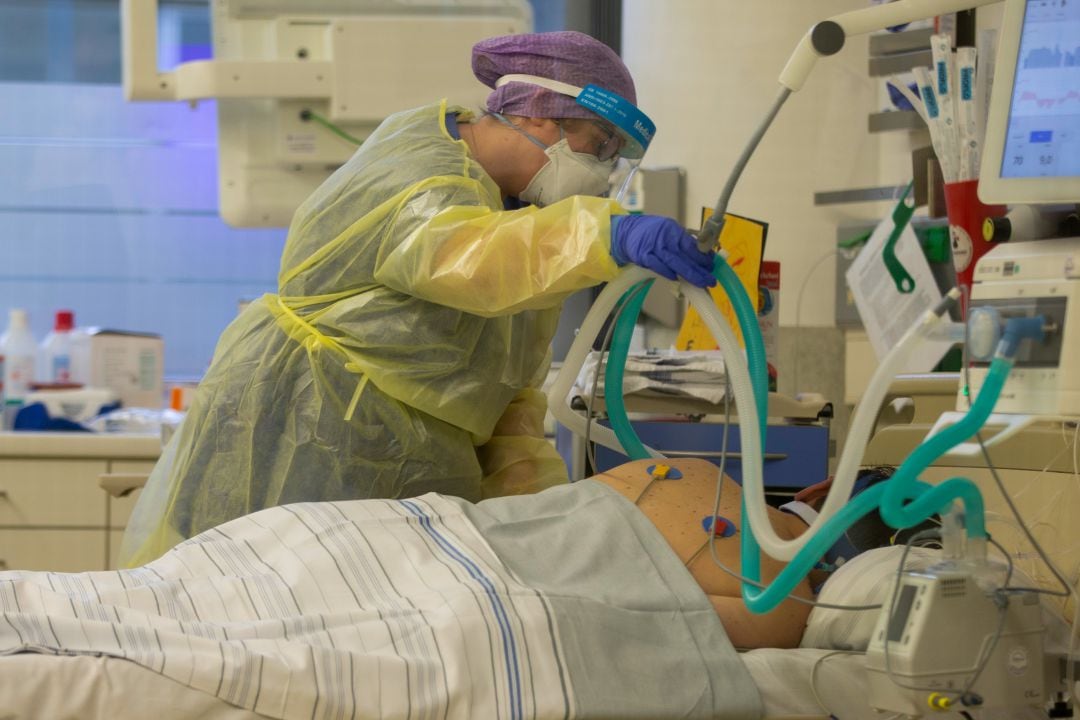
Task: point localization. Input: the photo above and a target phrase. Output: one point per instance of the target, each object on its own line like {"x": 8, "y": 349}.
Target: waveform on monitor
{"x": 1044, "y": 57}
{"x": 1049, "y": 102}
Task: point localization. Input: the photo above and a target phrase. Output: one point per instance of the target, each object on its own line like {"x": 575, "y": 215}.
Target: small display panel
{"x": 901, "y": 611}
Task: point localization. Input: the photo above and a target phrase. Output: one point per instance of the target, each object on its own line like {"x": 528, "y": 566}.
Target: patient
{"x": 565, "y": 603}
{"x": 676, "y": 508}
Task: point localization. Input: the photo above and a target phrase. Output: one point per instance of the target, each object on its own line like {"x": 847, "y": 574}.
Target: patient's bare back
{"x": 678, "y": 508}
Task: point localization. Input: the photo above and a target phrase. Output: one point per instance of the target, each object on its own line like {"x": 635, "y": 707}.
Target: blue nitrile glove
{"x": 662, "y": 245}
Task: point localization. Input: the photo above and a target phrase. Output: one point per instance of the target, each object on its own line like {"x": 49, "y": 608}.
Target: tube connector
{"x": 976, "y": 549}
{"x": 947, "y": 302}
{"x": 949, "y": 331}
{"x": 1020, "y": 329}
{"x": 952, "y": 534}
{"x": 710, "y": 233}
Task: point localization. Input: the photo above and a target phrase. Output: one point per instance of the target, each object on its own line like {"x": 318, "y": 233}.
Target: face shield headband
{"x": 634, "y": 127}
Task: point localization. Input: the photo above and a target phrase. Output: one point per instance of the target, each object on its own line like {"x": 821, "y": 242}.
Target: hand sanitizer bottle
{"x": 56, "y": 349}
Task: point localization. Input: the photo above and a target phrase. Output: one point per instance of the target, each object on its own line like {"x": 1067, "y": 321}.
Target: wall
{"x": 109, "y": 209}
{"x": 707, "y": 72}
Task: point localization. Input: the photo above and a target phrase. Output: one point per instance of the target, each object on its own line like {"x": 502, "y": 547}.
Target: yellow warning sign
{"x": 744, "y": 241}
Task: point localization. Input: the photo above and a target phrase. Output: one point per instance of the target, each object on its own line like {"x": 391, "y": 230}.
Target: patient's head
{"x": 870, "y": 531}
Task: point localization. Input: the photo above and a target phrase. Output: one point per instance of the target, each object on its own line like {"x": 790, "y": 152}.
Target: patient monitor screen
{"x": 1043, "y": 138}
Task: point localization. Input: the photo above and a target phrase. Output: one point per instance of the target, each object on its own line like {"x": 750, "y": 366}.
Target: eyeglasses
{"x": 610, "y": 145}
{"x": 604, "y": 149}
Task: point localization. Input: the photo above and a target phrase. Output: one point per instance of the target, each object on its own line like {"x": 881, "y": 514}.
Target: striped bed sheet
{"x": 560, "y": 605}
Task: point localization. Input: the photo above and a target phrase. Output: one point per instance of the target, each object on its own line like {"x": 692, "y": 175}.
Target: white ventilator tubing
{"x": 739, "y": 376}
{"x": 735, "y": 366}
{"x": 559, "y": 394}
{"x": 734, "y": 363}
{"x": 862, "y": 425}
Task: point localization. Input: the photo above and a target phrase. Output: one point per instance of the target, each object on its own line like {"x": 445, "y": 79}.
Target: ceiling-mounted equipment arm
{"x": 828, "y": 36}
{"x": 206, "y": 79}
{"x": 824, "y": 38}
{"x": 138, "y": 37}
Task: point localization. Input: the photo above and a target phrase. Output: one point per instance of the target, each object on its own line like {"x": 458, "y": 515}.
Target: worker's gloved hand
{"x": 662, "y": 245}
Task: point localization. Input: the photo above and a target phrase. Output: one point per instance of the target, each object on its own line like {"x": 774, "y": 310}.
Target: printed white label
{"x": 1018, "y": 661}
{"x": 61, "y": 369}
{"x": 18, "y": 374}
{"x": 300, "y": 143}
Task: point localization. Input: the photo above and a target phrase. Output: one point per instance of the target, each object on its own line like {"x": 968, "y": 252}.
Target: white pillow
{"x": 866, "y": 579}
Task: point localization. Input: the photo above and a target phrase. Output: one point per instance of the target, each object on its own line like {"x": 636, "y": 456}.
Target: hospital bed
{"x": 790, "y": 682}
{"x": 799, "y": 683}
{"x": 567, "y": 603}
{"x": 98, "y": 687}
{"x": 87, "y": 688}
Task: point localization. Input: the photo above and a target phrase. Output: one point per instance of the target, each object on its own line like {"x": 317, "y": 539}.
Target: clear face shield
{"x": 622, "y": 182}
{"x": 629, "y": 129}
{"x": 633, "y": 133}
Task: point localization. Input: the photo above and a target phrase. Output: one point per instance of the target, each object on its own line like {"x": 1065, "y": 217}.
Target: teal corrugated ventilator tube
{"x": 634, "y": 298}
{"x": 904, "y": 486}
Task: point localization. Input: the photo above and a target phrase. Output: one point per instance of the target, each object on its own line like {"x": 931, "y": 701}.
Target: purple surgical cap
{"x": 567, "y": 56}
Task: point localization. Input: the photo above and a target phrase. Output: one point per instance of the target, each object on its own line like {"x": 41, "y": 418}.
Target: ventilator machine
{"x": 959, "y": 635}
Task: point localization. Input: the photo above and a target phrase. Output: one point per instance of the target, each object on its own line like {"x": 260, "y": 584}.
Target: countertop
{"x": 79, "y": 445}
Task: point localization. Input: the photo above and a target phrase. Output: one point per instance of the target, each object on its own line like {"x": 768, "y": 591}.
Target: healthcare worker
{"x": 419, "y": 291}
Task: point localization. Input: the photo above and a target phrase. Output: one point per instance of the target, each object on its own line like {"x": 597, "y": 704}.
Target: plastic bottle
{"x": 20, "y": 351}
{"x": 56, "y": 349}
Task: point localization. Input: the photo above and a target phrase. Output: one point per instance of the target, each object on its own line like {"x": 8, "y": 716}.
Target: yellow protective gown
{"x": 402, "y": 354}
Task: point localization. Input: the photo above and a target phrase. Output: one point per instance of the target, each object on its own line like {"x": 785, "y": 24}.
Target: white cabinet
{"x": 53, "y": 514}
{"x": 56, "y": 549}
